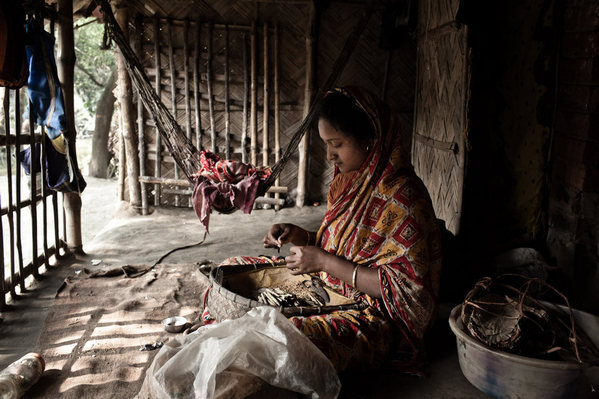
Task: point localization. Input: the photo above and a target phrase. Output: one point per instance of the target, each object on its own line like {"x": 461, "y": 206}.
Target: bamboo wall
{"x": 441, "y": 123}
{"x": 181, "y": 47}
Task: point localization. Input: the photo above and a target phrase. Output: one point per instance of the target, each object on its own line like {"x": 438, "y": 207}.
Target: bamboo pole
{"x": 18, "y": 128}
{"x": 141, "y": 141}
{"x": 265, "y": 103}
{"x": 308, "y": 90}
{"x": 187, "y": 98}
{"x": 44, "y": 204}
{"x": 253, "y": 104}
{"x": 122, "y": 158}
{"x": 157, "y": 82}
{"x": 246, "y": 94}
{"x": 32, "y": 197}
{"x": 277, "y": 109}
{"x": 9, "y": 214}
{"x": 171, "y": 64}
{"x": 227, "y": 111}
{"x": 210, "y": 93}
{"x": 66, "y": 68}
{"x": 125, "y": 98}
{"x": 265, "y": 115}
{"x": 186, "y": 73}
{"x": 56, "y": 232}
{"x": 196, "y": 85}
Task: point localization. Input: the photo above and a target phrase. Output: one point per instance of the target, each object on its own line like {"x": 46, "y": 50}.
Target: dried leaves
{"x": 507, "y": 313}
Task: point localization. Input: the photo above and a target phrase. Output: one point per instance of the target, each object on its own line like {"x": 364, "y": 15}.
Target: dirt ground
{"x": 114, "y": 235}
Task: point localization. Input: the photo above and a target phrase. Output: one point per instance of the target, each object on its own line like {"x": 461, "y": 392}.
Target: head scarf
{"x": 384, "y": 219}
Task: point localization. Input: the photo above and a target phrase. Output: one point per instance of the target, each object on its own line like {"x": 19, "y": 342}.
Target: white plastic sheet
{"x": 229, "y": 360}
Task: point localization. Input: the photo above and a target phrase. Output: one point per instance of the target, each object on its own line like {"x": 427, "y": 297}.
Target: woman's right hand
{"x": 282, "y": 233}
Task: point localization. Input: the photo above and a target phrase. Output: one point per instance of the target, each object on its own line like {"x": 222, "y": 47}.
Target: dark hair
{"x": 344, "y": 114}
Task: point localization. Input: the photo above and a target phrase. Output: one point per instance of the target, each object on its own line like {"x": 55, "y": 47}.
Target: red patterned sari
{"x": 382, "y": 218}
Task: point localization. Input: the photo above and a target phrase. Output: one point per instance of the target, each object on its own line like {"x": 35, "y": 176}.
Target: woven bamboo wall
{"x": 441, "y": 123}
{"x": 366, "y": 68}
{"x": 291, "y": 55}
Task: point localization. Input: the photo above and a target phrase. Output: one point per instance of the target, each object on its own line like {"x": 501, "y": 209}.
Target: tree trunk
{"x": 98, "y": 165}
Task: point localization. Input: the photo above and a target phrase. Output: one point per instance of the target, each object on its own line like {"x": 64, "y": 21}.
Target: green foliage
{"x": 92, "y": 70}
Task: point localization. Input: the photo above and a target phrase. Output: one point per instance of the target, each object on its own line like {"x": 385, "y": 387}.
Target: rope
{"x": 185, "y": 154}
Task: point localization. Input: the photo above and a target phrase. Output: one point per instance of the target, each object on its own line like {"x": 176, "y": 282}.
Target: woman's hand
{"x": 282, "y": 233}
{"x": 307, "y": 259}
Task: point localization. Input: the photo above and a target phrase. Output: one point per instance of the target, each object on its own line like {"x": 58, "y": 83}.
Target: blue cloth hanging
{"x": 48, "y": 110}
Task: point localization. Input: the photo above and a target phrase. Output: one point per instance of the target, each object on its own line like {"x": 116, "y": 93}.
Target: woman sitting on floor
{"x": 379, "y": 241}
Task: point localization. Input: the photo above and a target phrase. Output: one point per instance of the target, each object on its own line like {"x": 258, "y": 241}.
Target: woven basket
{"x": 230, "y": 285}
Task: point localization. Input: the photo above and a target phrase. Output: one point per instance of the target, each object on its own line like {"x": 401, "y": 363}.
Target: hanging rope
{"x": 185, "y": 154}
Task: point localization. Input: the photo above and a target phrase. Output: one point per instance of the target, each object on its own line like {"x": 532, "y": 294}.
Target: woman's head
{"x": 346, "y": 130}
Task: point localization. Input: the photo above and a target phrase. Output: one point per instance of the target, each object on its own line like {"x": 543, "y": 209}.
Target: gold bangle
{"x": 354, "y": 276}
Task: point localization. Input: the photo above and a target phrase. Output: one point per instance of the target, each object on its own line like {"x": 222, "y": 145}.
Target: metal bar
{"x": 158, "y": 162}
{"x": 171, "y": 62}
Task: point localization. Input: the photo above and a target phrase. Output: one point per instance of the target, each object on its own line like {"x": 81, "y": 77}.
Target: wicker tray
{"x": 231, "y": 286}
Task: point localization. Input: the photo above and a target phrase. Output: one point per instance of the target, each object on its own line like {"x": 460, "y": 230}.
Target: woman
{"x": 379, "y": 241}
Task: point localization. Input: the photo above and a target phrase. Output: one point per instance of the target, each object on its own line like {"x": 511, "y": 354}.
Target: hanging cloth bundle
{"x": 185, "y": 154}
{"x": 47, "y": 109}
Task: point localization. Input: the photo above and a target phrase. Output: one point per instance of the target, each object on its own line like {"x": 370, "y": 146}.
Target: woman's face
{"x": 342, "y": 149}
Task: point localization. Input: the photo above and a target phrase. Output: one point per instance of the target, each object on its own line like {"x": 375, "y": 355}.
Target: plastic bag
{"x": 229, "y": 360}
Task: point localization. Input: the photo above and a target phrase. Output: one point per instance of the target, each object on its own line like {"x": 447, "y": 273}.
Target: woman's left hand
{"x": 308, "y": 259}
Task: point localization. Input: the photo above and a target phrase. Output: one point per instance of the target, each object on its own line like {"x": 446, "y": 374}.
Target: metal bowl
{"x": 175, "y": 324}
{"x": 505, "y": 375}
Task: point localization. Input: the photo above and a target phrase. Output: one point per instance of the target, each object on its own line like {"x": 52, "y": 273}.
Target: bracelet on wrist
{"x": 354, "y": 277}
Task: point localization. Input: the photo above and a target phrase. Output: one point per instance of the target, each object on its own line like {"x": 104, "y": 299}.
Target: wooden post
{"x": 227, "y": 111}
{"x": 308, "y": 90}
{"x": 253, "y": 110}
{"x": 277, "y": 109}
{"x": 173, "y": 73}
{"x": 210, "y": 93}
{"x": 66, "y": 68}
{"x": 141, "y": 124}
{"x": 196, "y": 85}
{"x": 246, "y": 95}
{"x": 158, "y": 84}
